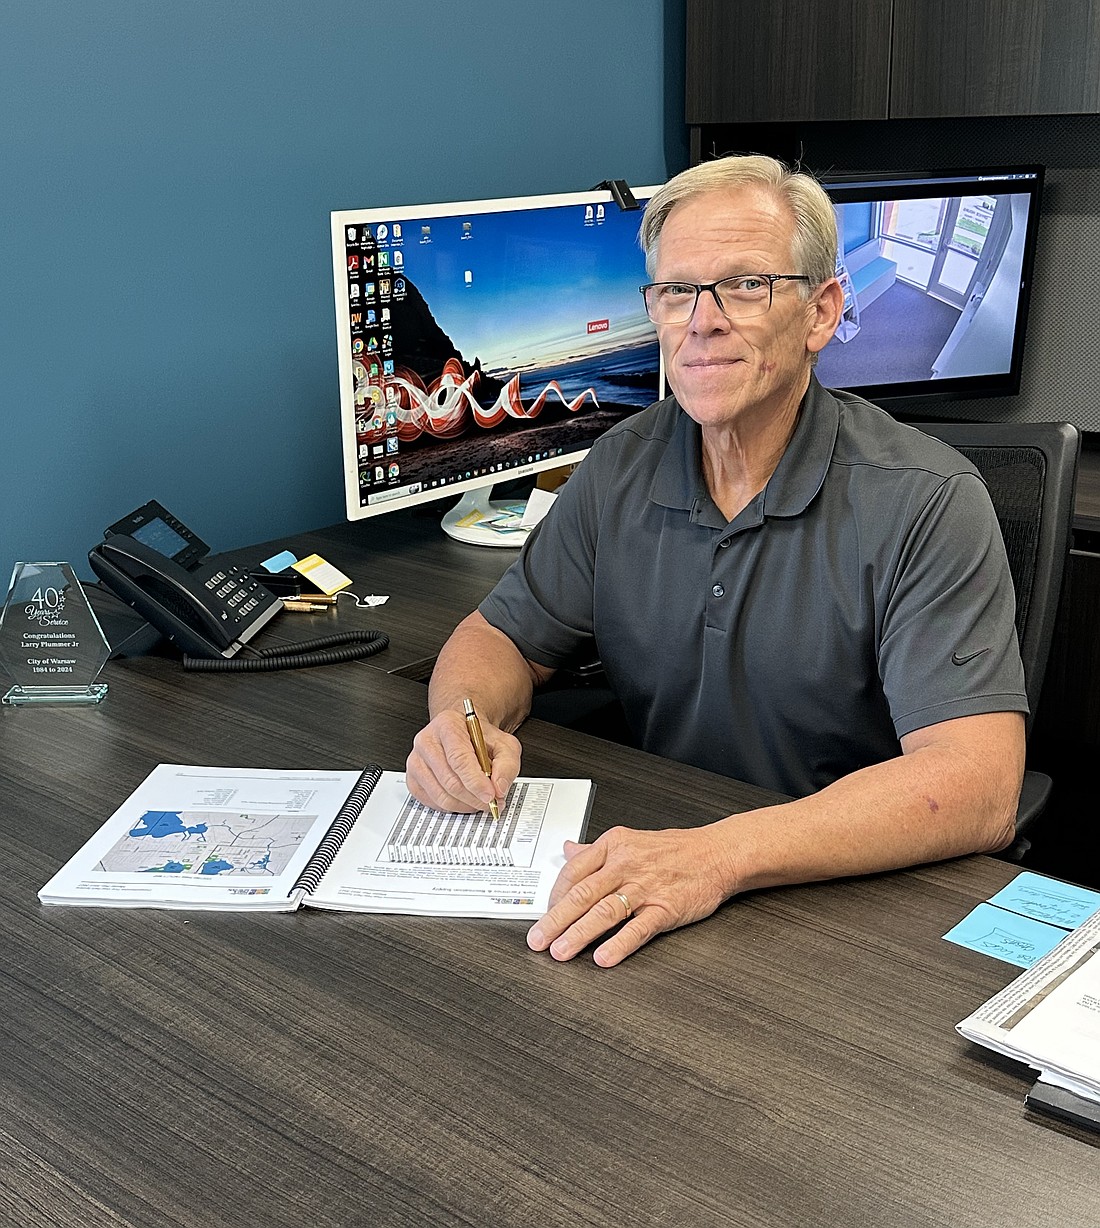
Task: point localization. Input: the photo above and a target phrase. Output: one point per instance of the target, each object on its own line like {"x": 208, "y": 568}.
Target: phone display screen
{"x": 161, "y": 537}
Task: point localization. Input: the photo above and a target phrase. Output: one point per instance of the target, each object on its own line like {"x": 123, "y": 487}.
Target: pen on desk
{"x": 313, "y": 607}
{"x": 482, "y": 751}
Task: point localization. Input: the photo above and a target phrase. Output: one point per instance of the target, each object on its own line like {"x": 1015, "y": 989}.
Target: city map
{"x": 208, "y": 843}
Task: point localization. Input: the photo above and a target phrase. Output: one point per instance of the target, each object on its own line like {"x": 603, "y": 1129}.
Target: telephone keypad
{"x": 238, "y": 591}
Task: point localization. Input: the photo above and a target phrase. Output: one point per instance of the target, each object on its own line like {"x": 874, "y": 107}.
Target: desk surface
{"x": 1087, "y": 504}
{"x": 789, "y": 1061}
{"x": 432, "y": 582}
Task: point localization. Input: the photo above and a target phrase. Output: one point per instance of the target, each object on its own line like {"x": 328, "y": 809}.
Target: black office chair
{"x": 1030, "y": 469}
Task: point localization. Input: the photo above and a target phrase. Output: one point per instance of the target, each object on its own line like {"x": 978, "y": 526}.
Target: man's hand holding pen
{"x": 444, "y": 769}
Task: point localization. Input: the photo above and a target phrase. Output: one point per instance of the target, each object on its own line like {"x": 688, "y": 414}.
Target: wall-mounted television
{"x": 936, "y": 268}
{"x": 481, "y": 341}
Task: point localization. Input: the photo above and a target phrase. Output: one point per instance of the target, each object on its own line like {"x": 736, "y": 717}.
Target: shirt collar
{"x": 801, "y": 471}
{"x": 678, "y": 478}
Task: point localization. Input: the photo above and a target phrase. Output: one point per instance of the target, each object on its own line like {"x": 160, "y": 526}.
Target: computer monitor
{"x": 481, "y": 341}
{"x": 936, "y": 268}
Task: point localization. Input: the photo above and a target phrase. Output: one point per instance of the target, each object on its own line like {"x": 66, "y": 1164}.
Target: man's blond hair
{"x": 815, "y": 237}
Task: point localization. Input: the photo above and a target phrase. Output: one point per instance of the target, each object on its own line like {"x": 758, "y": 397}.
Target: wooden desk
{"x": 790, "y": 1061}
{"x": 432, "y": 582}
{"x": 1086, "y": 516}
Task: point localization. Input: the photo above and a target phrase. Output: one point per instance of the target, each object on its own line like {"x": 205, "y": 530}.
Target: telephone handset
{"x": 208, "y": 610}
{"x": 154, "y": 563}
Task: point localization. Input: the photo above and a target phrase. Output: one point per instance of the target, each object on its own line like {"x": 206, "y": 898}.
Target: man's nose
{"x": 708, "y": 315}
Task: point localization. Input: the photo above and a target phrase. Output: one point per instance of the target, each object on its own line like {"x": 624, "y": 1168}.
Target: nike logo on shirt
{"x": 958, "y": 660}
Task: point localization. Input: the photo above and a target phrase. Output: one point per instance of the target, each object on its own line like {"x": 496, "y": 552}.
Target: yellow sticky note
{"x": 321, "y": 574}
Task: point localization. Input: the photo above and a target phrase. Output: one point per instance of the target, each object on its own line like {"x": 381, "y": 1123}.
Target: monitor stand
{"x": 480, "y": 522}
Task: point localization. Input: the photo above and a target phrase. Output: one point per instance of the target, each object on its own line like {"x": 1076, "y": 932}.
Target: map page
{"x": 193, "y": 837}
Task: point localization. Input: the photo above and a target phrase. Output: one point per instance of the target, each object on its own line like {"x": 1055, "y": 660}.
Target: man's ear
{"x": 827, "y": 305}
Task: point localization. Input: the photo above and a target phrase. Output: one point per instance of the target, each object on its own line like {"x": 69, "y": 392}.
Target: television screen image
{"x": 485, "y": 340}
{"x": 936, "y": 270}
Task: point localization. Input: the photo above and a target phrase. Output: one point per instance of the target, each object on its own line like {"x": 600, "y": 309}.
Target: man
{"x": 783, "y": 584}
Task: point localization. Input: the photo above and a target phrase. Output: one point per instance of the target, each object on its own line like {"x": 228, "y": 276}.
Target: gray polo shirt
{"x": 863, "y": 594}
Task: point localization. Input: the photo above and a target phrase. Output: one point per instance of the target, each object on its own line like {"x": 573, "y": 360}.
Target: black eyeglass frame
{"x": 712, "y": 286}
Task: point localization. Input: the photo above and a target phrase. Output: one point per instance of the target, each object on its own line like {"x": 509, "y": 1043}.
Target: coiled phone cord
{"x": 328, "y": 650}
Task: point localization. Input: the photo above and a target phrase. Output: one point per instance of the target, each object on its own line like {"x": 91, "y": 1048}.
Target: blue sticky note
{"x": 279, "y": 562}
{"x": 1005, "y": 935}
{"x": 1048, "y": 899}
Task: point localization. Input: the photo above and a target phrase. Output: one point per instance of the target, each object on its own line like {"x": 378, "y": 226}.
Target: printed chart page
{"x": 194, "y": 837}
{"x": 403, "y": 857}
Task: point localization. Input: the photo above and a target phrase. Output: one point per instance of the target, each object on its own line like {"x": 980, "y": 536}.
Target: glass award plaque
{"x": 51, "y": 643}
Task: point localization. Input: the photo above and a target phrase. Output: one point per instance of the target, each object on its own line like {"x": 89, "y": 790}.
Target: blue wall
{"x": 168, "y": 170}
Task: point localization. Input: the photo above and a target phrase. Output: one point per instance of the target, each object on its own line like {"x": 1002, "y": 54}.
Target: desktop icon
{"x": 397, "y": 230}
{"x": 382, "y": 231}
{"x": 394, "y": 470}
{"x": 353, "y": 263}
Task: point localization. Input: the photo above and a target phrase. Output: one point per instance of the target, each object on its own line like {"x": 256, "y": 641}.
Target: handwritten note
{"x": 1048, "y": 899}
{"x": 1025, "y": 919}
{"x": 1005, "y": 935}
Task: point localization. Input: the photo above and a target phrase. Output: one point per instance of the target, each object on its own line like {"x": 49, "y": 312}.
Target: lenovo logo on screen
{"x": 598, "y": 326}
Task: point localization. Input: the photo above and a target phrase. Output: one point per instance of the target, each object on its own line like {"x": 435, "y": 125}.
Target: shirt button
{"x": 719, "y": 590}
{"x": 723, "y": 543}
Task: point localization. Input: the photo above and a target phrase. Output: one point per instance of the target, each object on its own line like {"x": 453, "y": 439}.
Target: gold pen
{"x": 482, "y": 751}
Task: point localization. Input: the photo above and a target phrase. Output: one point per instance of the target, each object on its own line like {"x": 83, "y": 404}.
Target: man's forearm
{"x": 481, "y": 663}
{"x": 945, "y": 798}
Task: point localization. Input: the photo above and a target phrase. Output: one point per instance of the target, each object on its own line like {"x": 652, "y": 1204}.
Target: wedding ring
{"x": 625, "y": 903}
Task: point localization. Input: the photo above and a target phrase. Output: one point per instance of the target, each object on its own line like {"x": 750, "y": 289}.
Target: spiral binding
{"x": 315, "y": 868}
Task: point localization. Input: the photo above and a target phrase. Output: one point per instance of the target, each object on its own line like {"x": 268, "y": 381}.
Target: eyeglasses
{"x": 739, "y": 297}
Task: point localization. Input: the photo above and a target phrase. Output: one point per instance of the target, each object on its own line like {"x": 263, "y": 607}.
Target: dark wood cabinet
{"x": 995, "y": 57}
{"x": 802, "y": 60}
{"x": 787, "y": 60}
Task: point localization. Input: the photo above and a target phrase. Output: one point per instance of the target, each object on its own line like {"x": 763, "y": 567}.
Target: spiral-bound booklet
{"x": 248, "y": 839}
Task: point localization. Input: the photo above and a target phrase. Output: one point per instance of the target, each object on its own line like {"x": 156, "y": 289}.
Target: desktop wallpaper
{"x": 482, "y": 339}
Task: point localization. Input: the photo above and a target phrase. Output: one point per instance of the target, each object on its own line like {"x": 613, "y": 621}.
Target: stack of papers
{"x": 1049, "y": 1016}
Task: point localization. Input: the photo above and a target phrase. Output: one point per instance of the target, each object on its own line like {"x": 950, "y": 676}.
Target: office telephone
{"x": 209, "y": 610}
